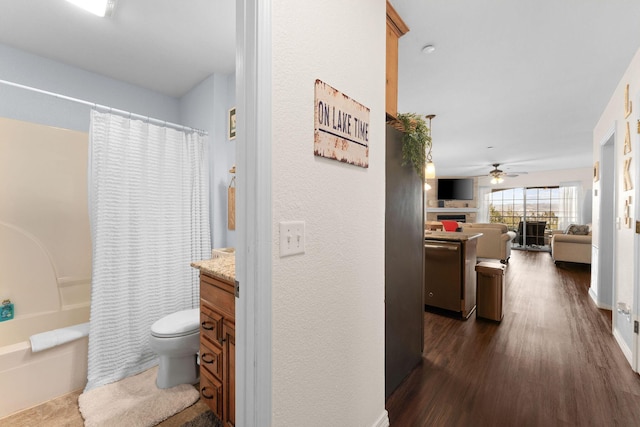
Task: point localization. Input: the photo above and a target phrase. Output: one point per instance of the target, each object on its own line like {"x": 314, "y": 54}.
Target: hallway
{"x": 552, "y": 361}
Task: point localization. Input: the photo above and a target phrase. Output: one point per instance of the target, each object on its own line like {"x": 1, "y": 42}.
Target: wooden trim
{"x": 398, "y": 25}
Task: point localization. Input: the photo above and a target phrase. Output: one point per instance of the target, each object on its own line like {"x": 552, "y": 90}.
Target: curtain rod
{"x": 104, "y": 107}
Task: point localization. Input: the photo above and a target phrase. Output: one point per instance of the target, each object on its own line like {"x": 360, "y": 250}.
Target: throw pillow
{"x": 579, "y": 230}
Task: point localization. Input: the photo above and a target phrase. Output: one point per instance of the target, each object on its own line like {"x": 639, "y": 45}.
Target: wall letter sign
{"x": 341, "y": 129}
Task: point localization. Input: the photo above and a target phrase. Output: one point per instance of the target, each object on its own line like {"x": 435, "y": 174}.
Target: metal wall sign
{"x": 341, "y": 127}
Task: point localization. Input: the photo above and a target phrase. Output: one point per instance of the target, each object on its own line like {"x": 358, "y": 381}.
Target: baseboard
{"x": 594, "y": 297}
{"x": 623, "y": 346}
{"x": 383, "y": 421}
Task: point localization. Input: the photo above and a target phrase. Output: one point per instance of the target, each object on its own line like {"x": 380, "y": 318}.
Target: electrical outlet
{"x": 291, "y": 238}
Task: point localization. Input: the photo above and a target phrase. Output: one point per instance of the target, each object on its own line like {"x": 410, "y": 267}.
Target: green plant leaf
{"x": 415, "y": 141}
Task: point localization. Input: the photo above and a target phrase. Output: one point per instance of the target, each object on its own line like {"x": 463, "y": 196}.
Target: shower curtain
{"x": 148, "y": 207}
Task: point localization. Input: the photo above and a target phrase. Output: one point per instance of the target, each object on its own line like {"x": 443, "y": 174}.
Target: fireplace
{"x": 459, "y": 218}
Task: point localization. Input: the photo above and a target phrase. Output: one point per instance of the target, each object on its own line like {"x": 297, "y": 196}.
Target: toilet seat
{"x": 178, "y": 324}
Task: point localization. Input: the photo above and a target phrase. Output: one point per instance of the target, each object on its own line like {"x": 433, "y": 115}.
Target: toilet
{"x": 176, "y": 340}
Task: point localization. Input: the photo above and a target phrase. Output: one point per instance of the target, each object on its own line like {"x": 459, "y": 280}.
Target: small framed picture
{"x": 232, "y": 123}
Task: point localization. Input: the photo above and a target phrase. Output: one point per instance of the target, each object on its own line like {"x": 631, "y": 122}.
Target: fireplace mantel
{"x": 469, "y": 213}
{"x": 443, "y": 210}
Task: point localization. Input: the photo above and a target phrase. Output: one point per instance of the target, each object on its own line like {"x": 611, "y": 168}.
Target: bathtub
{"x": 28, "y": 379}
{"x": 45, "y": 260}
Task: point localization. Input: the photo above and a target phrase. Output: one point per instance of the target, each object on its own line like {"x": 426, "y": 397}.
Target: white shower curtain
{"x": 148, "y": 203}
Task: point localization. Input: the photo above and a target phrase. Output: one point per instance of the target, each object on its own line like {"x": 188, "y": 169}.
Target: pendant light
{"x": 430, "y": 169}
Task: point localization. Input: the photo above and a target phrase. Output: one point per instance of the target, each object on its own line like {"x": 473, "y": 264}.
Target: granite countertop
{"x": 450, "y": 236}
{"x": 223, "y": 268}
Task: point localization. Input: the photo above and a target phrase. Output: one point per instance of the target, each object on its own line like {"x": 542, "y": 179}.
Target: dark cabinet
{"x": 404, "y": 241}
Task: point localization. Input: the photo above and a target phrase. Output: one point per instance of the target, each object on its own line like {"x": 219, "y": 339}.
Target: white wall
{"x": 223, "y": 158}
{"x": 30, "y": 70}
{"x": 624, "y": 256}
{"x": 206, "y": 107}
{"x": 328, "y": 304}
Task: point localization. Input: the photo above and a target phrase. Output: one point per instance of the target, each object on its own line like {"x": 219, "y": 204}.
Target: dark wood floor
{"x": 552, "y": 361}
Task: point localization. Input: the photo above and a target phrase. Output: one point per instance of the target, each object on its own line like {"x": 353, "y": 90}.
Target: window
{"x": 554, "y": 205}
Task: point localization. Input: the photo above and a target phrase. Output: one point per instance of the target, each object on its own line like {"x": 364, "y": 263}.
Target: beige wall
{"x": 545, "y": 178}
{"x": 328, "y": 304}
{"x": 45, "y": 246}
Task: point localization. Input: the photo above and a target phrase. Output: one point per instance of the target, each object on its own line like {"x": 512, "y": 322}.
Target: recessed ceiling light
{"x": 100, "y": 8}
{"x": 429, "y": 49}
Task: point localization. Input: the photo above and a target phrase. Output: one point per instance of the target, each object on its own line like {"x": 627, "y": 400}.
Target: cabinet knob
{"x": 207, "y": 358}
{"x": 208, "y": 326}
{"x": 204, "y": 394}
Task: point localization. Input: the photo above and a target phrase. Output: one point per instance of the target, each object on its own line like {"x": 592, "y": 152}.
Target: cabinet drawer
{"x": 218, "y": 295}
{"x": 211, "y": 392}
{"x": 210, "y": 324}
{"x": 211, "y": 358}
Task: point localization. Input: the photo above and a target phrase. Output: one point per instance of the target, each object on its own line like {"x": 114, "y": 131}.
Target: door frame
{"x": 635, "y": 310}
{"x": 607, "y": 235}
{"x": 254, "y": 223}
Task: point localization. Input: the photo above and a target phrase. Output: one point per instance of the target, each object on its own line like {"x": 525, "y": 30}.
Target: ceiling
{"x": 165, "y": 45}
{"x": 528, "y": 78}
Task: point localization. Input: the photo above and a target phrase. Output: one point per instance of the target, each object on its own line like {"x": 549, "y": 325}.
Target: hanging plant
{"x": 415, "y": 141}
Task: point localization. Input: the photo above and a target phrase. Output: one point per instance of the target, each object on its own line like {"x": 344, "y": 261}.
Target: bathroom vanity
{"x": 217, "y": 336}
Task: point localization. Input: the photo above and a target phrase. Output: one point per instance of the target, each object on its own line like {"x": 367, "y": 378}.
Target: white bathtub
{"x": 45, "y": 260}
{"x": 28, "y": 379}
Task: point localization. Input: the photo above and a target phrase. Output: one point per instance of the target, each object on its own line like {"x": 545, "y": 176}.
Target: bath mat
{"x": 134, "y": 402}
{"x": 204, "y": 419}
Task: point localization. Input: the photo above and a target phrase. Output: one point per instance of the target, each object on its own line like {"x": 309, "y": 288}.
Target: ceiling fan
{"x": 497, "y": 175}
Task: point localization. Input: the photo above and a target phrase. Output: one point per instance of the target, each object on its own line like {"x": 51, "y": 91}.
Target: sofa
{"x": 495, "y": 242}
{"x": 572, "y": 245}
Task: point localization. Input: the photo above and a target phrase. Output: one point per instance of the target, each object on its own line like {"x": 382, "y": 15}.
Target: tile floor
{"x": 63, "y": 412}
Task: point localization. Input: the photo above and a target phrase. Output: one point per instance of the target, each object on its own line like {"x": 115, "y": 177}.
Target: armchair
{"x": 495, "y": 242}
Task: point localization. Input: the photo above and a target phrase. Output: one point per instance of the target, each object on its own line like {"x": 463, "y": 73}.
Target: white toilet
{"x": 176, "y": 339}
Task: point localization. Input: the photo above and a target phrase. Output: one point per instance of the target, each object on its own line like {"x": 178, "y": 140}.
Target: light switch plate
{"x": 291, "y": 238}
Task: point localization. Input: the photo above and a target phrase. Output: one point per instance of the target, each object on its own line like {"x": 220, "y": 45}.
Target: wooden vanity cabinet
{"x": 217, "y": 347}
{"x": 229, "y": 404}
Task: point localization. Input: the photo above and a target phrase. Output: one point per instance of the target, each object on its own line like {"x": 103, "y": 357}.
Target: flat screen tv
{"x": 455, "y": 189}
